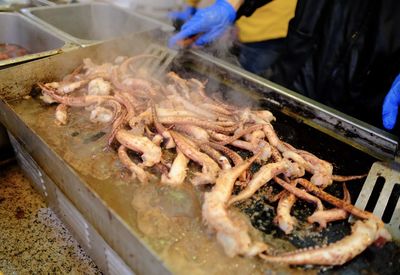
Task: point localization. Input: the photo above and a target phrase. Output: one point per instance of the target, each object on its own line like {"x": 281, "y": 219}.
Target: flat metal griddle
{"x": 100, "y": 191}
{"x": 346, "y": 160}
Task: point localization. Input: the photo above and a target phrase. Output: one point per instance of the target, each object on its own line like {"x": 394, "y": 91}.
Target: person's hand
{"x": 211, "y": 22}
{"x": 391, "y": 105}
{"x": 183, "y": 15}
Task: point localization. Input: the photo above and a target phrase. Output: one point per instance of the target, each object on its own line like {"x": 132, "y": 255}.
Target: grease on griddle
{"x": 94, "y": 137}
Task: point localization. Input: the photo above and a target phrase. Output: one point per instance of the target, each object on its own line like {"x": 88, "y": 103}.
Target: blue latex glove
{"x": 391, "y": 105}
{"x": 184, "y": 15}
{"x": 212, "y": 21}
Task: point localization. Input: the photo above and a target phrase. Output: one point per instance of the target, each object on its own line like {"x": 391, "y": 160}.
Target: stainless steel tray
{"x": 91, "y": 23}
{"x": 17, "y": 29}
{"x": 141, "y": 223}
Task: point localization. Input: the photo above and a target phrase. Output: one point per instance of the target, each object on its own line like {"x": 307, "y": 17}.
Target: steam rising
{"x": 101, "y": 22}
{"x": 222, "y": 48}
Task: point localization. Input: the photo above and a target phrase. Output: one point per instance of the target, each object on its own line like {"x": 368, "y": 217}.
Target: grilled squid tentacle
{"x": 210, "y": 168}
{"x": 135, "y": 169}
{"x": 196, "y": 132}
{"x": 235, "y": 157}
{"x": 161, "y": 129}
{"x": 216, "y": 156}
{"x": 347, "y": 178}
{"x": 333, "y": 200}
{"x": 61, "y": 114}
{"x": 300, "y": 193}
{"x": 331, "y": 215}
{"x": 364, "y": 233}
{"x": 151, "y": 154}
{"x": 232, "y": 236}
{"x": 206, "y": 124}
{"x": 177, "y": 173}
{"x": 265, "y": 174}
{"x": 283, "y": 219}
{"x": 241, "y": 133}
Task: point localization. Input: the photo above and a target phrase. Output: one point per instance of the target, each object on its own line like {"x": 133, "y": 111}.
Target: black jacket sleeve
{"x": 249, "y": 7}
{"x": 304, "y": 30}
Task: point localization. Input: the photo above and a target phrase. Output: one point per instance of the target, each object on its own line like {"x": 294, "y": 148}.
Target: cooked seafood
{"x": 364, "y": 233}
{"x": 233, "y": 237}
{"x": 151, "y": 154}
{"x": 210, "y": 168}
{"x": 283, "y": 219}
{"x": 61, "y": 114}
{"x": 264, "y": 175}
{"x": 136, "y": 170}
{"x": 331, "y": 215}
{"x": 8, "y": 50}
{"x": 180, "y": 123}
{"x": 177, "y": 173}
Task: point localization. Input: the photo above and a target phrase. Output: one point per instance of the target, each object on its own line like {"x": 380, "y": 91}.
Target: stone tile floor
{"x": 32, "y": 239}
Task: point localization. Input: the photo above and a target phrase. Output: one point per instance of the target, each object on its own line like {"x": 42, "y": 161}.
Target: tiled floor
{"x": 32, "y": 238}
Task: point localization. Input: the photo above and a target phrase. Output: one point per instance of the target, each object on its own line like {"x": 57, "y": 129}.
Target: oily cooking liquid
{"x": 11, "y": 51}
{"x": 167, "y": 219}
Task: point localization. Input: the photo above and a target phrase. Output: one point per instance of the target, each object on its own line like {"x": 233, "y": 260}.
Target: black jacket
{"x": 343, "y": 53}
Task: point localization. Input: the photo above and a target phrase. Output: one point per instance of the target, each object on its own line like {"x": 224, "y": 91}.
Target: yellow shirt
{"x": 271, "y": 21}
{"x": 192, "y": 3}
